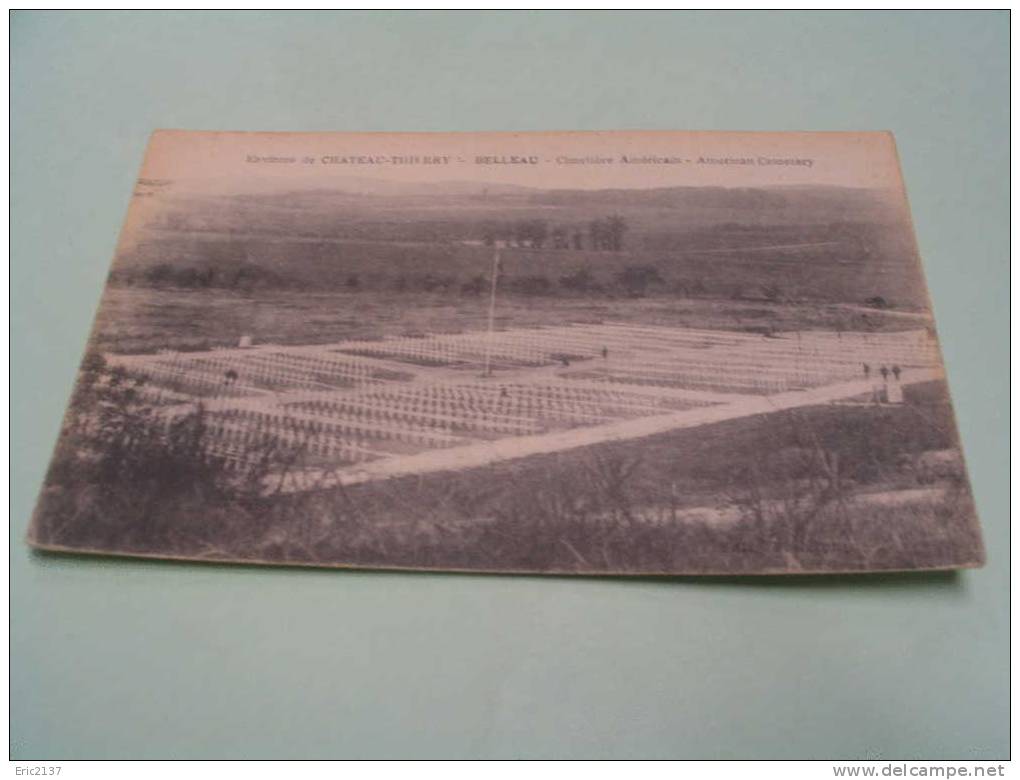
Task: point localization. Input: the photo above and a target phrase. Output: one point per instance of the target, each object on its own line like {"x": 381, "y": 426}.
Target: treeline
{"x": 838, "y": 262}
{"x": 604, "y": 234}
{"x": 633, "y": 280}
{"x": 248, "y": 276}
{"x": 750, "y": 282}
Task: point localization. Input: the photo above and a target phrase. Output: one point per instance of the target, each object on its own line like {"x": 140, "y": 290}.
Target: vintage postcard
{"x": 588, "y": 353}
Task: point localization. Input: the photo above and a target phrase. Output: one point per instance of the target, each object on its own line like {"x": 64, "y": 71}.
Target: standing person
{"x": 884, "y": 394}
{"x": 895, "y": 391}
{"x": 876, "y": 385}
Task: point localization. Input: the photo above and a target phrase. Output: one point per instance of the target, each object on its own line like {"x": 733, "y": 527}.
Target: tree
{"x": 615, "y": 227}
{"x": 636, "y": 279}
{"x": 162, "y": 273}
{"x": 532, "y": 285}
{"x": 475, "y": 286}
{"x": 559, "y": 238}
{"x": 581, "y": 280}
{"x": 520, "y": 232}
{"x": 597, "y": 235}
{"x": 539, "y": 233}
{"x": 606, "y": 234}
{"x": 531, "y": 233}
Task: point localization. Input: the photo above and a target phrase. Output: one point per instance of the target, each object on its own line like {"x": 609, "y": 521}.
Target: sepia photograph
{"x": 633, "y": 353}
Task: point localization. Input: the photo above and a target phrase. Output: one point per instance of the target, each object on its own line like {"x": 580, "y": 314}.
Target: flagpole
{"x": 492, "y": 313}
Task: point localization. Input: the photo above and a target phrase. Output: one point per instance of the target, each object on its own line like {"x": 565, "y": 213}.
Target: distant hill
{"x": 811, "y": 203}
{"x": 367, "y": 186}
{"x": 826, "y": 243}
{"x": 373, "y": 209}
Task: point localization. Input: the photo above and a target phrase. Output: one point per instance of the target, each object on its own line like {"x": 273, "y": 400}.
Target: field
{"x": 134, "y": 320}
{"x": 585, "y": 447}
{"x": 369, "y": 409}
{"x": 680, "y": 380}
{"x": 825, "y": 245}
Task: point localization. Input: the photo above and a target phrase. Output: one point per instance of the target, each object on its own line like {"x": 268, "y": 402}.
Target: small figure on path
{"x": 884, "y": 390}
{"x": 605, "y": 353}
{"x": 565, "y": 361}
{"x": 894, "y": 391}
{"x": 876, "y": 387}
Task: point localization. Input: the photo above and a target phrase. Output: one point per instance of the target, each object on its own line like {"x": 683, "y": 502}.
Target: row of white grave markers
{"x": 342, "y": 429}
{"x": 298, "y": 420}
{"x": 512, "y": 409}
{"x": 330, "y": 404}
{"x": 235, "y": 373}
{"x": 447, "y": 418}
{"x": 536, "y": 346}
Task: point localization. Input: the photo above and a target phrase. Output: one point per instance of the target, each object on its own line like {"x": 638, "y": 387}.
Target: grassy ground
{"x": 790, "y": 477}
{"x": 143, "y": 319}
{"x": 825, "y": 244}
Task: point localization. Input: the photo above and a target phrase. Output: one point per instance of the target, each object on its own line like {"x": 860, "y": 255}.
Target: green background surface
{"x": 126, "y": 659}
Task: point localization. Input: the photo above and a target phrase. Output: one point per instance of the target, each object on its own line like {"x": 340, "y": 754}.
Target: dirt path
{"x": 914, "y": 316}
{"x": 727, "y": 515}
{"x": 485, "y": 453}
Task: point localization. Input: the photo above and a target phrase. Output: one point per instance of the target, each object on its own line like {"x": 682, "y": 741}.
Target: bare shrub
{"x": 125, "y": 476}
